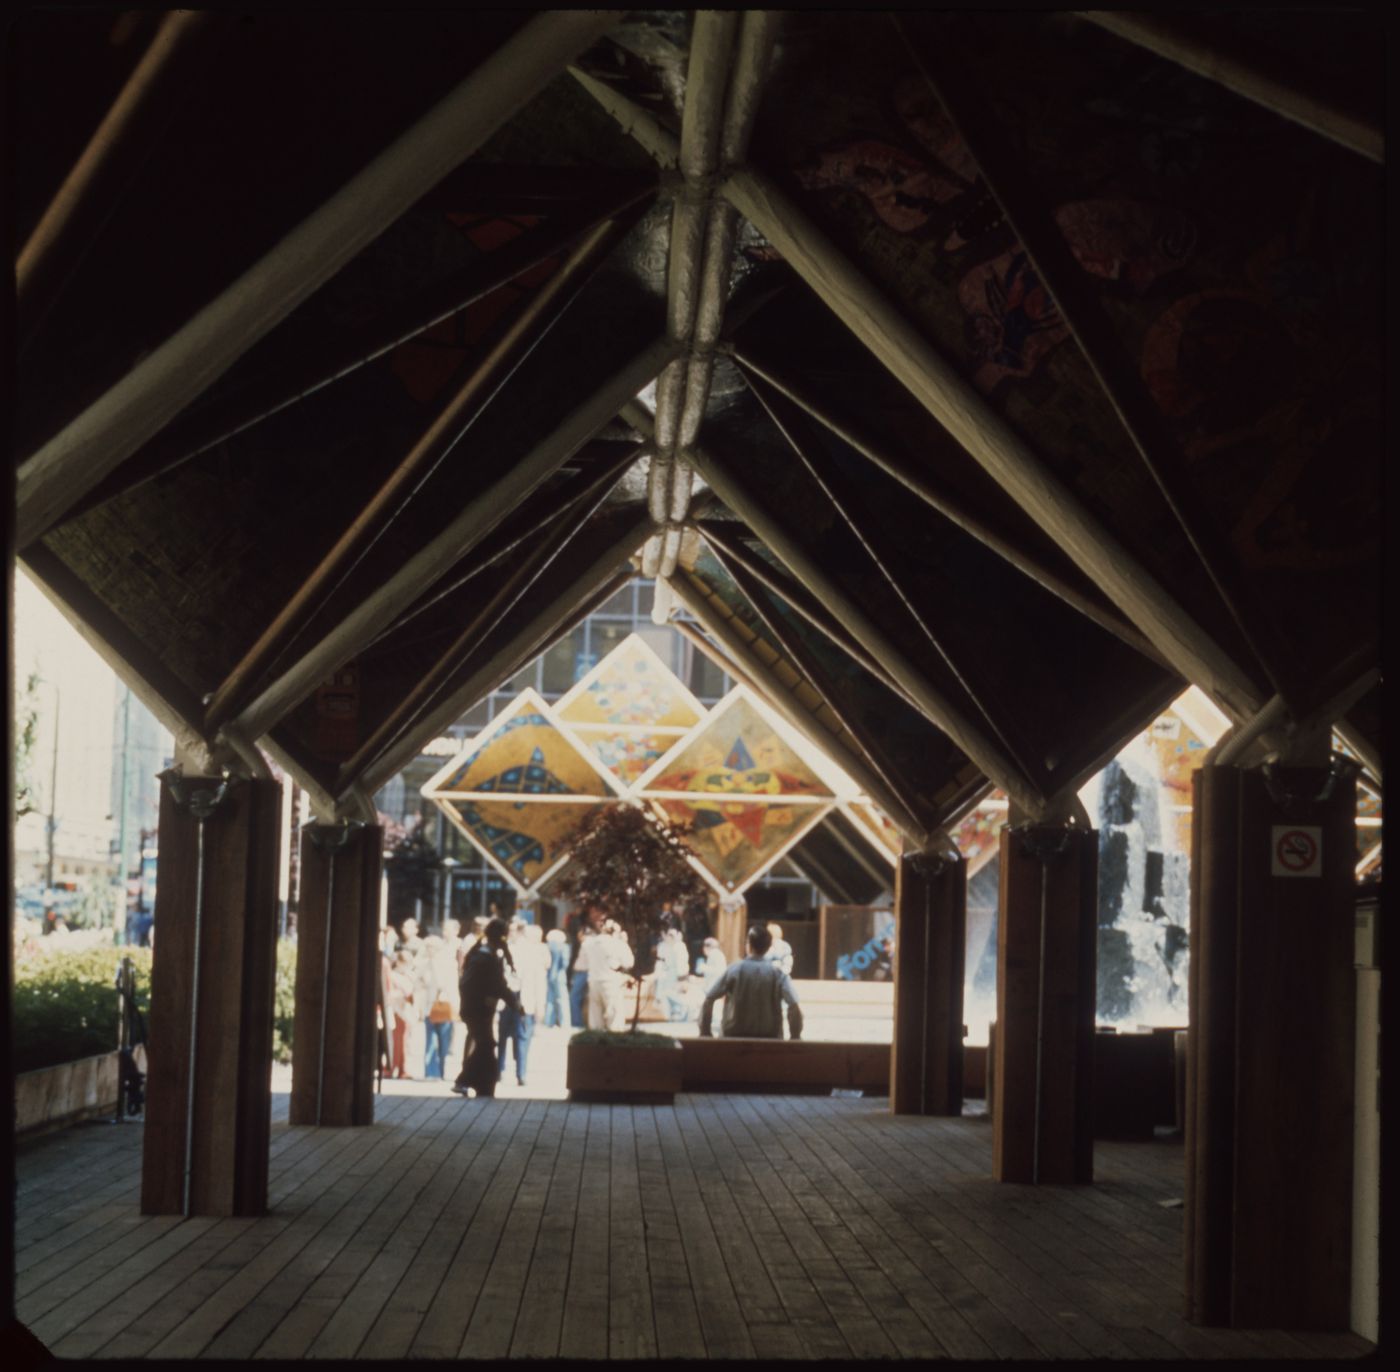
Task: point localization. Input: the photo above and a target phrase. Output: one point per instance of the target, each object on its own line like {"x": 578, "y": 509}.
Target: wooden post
{"x": 1270, "y": 1084}
{"x": 1042, "y": 1107}
{"x": 333, "y": 1033}
{"x": 926, "y": 1056}
{"x": 732, "y": 928}
{"x": 208, "y": 1091}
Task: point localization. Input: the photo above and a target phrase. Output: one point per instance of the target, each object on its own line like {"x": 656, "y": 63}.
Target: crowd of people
{"x": 504, "y": 978}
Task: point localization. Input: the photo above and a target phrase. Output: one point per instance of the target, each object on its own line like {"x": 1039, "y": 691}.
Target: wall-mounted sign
{"x": 1297, "y": 850}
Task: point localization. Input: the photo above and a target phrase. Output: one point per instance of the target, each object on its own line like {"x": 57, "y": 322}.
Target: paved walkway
{"x": 725, "y": 1226}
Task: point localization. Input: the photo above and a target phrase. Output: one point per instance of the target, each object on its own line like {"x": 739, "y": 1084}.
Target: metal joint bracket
{"x": 1043, "y": 842}
{"x": 331, "y": 838}
{"x": 201, "y": 796}
{"x": 1293, "y": 794}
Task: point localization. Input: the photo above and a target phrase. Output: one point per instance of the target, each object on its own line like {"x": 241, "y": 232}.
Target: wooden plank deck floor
{"x": 725, "y": 1227}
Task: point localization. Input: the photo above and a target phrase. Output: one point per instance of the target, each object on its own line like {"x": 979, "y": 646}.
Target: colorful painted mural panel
{"x": 523, "y": 752}
{"x": 626, "y": 753}
{"x": 742, "y": 751}
{"x": 736, "y": 841}
{"x": 526, "y": 839}
{"x": 631, "y": 687}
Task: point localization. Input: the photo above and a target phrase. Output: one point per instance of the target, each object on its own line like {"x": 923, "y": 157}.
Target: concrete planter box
{"x": 623, "y": 1073}
{"x": 50, "y": 1097}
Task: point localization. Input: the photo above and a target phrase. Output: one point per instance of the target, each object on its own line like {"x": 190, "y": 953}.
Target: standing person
{"x": 780, "y": 951}
{"x": 437, "y": 988}
{"x": 482, "y": 988}
{"x": 711, "y": 963}
{"x": 697, "y": 930}
{"x": 578, "y": 991}
{"x": 672, "y": 968}
{"x": 400, "y": 1008}
{"x": 610, "y": 957}
{"x": 754, "y": 991}
{"x": 556, "y": 1001}
{"x": 518, "y": 1024}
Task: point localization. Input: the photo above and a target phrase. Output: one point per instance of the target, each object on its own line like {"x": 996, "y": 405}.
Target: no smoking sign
{"x": 1297, "y": 850}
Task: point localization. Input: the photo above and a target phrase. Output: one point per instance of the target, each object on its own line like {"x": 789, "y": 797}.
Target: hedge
{"x": 65, "y": 1002}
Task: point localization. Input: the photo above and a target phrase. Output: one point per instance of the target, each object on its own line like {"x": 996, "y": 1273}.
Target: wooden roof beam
{"x": 794, "y": 426}
{"x": 687, "y": 589}
{"x": 930, "y": 702}
{"x": 94, "y": 187}
{"x": 944, "y": 65}
{"x": 1241, "y": 68}
{"x": 487, "y": 616}
{"x": 587, "y": 589}
{"x": 806, "y": 662}
{"x": 445, "y": 432}
{"x": 71, "y": 463}
{"x": 933, "y": 493}
{"x": 729, "y": 548}
{"x": 206, "y": 426}
{"x": 991, "y": 441}
{"x": 430, "y": 563}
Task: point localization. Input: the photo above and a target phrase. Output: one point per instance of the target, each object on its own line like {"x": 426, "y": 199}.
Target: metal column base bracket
{"x": 330, "y": 839}
{"x": 201, "y": 797}
{"x": 1290, "y": 788}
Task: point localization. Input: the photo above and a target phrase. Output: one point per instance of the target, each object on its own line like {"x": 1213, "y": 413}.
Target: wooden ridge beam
{"x": 495, "y": 608}
{"x": 805, "y": 662}
{"x": 945, "y": 67}
{"x": 930, "y": 702}
{"x": 471, "y": 525}
{"x": 1084, "y": 598}
{"x": 795, "y": 427}
{"x": 589, "y": 588}
{"x": 72, "y": 462}
{"x": 205, "y": 426}
{"x": 690, "y": 591}
{"x": 990, "y": 440}
{"x": 1239, "y": 67}
{"x": 388, "y": 502}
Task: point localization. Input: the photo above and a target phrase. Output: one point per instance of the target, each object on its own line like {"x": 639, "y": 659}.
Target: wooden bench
{"x": 801, "y": 1067}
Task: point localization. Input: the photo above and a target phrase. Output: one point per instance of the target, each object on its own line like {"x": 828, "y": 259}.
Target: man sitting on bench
{"x": 753, "y": 991}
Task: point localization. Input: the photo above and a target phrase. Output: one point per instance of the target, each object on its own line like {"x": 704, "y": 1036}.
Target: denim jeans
{"x": 437, "y": 1048}
{"x": 516, "y": 1029}
{"x": 578, "y": 998}
{"x": 556, "y": 1001}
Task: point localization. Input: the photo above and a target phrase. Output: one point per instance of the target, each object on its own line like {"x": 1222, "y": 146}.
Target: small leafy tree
{"x": 26, "y": 736}
{"x": 630, "y": 864}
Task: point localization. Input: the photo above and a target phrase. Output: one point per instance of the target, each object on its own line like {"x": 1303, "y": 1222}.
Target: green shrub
{"x": 623, "y": 1039}
{"x": 66, "y": 1003}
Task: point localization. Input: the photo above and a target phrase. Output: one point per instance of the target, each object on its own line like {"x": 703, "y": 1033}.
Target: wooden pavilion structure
{"x": 975, "y": 381}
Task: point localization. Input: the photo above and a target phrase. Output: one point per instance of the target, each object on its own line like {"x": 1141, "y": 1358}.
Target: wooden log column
{"x": 208, "y": 1089}
{"x": 1270, "y": 1079}
{"x": 1043, "y": 1078}
{"x": 930, "y": 953}
{"x": 333, "y": 1031}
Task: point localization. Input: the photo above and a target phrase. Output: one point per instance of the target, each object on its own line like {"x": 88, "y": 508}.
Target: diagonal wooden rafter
{"x": 945, "y": 66}
{"x": 452, "y": 422}
{"x": 486, "y": 617}
{"x": 864, "y": 743}
{"x": 1241, "y": 68}
{"x": 915, "y": 477}
{"x": 792, "y": 694}
{"x": 477, "y": 519}
{"x": 205, "y": 426}
{"x": 582, "y": 591}
{"x": 724, "y": 537}
{"x": 971, "y": 421}
{"x": 845, "y": 499}
{"x": 991, "y": 441}
{"x": 196, "y": 355}
{"x": 94, "y": 187}
{"x": 930, "y": 702}
{"x": 530, "y": 521}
